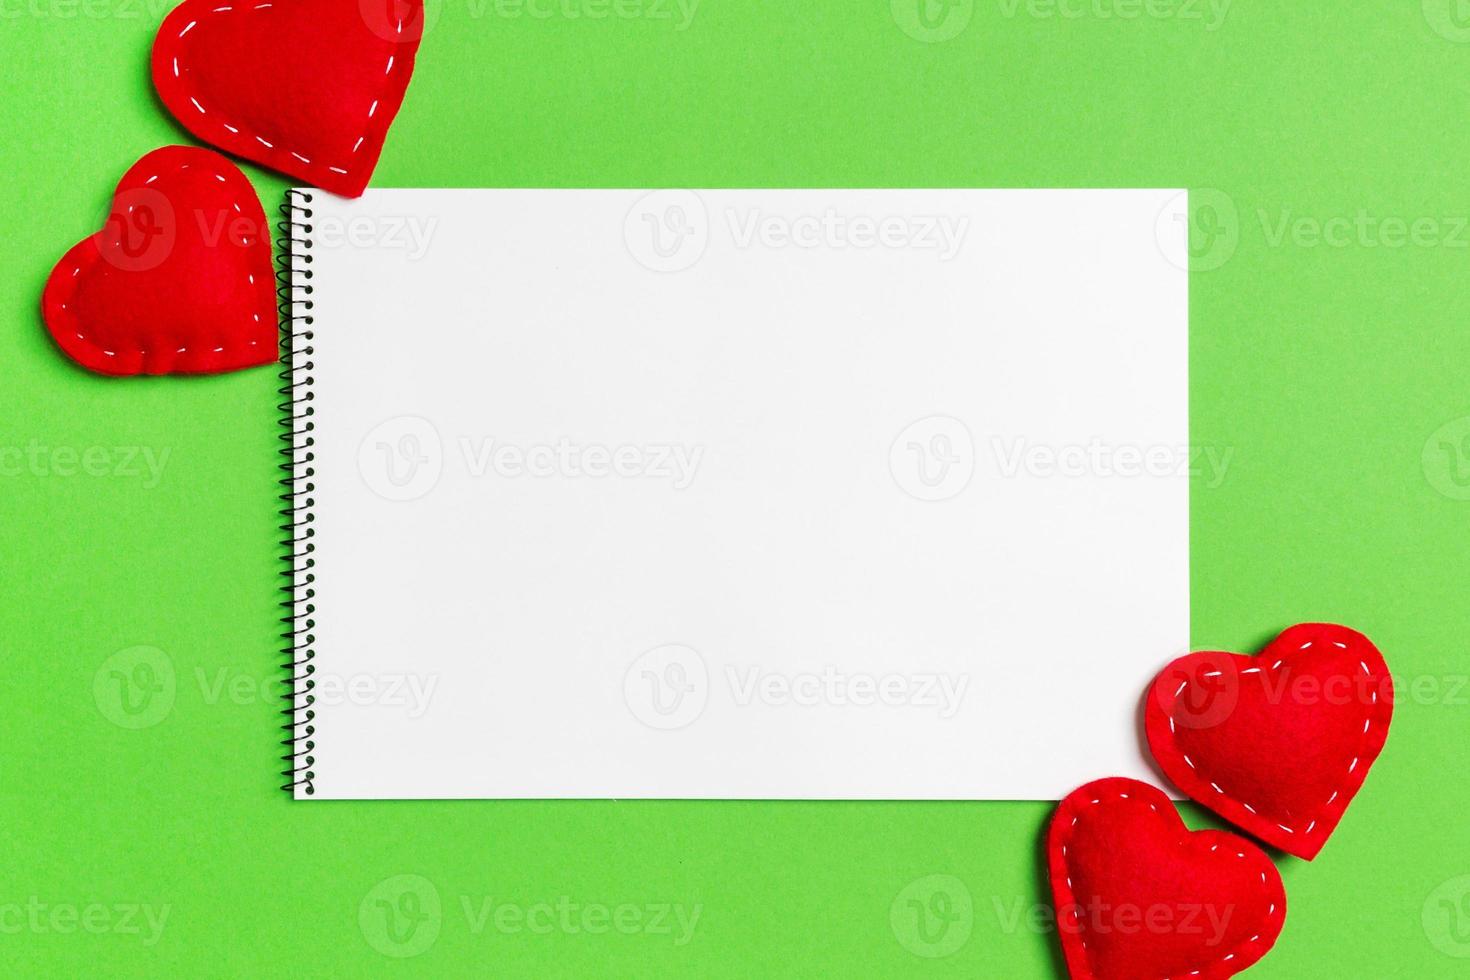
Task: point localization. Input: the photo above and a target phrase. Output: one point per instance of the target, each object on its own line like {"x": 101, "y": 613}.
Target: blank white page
{"x": 814, "y": 494}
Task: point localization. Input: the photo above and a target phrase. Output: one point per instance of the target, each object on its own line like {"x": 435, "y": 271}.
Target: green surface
{"x": 1330, "y": 368}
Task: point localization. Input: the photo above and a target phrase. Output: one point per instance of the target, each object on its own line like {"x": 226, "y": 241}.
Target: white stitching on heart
{"x": 1081, "y": 936}
{"x": 1367, "y": 724}
{"x": 372, "y": 110}
{"x": 182, "y": 350}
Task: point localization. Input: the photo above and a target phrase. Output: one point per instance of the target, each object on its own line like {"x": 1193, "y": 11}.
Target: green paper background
{"x": 1336, "y": 372}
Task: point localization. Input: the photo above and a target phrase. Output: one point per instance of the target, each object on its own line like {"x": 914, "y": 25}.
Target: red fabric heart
{"x": 1277, "y": 744}
{"x": 178, "y": 281}
{"x": 306, "y": 87}
{"x": 1139, "y": 896}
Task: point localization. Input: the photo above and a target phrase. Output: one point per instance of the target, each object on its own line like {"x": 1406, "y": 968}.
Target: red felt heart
{"x": 178, "y": 281}
{"x": 307, "y": 87}
{"x": 1139, "y": 896}
{"x": 1277, "y": 744}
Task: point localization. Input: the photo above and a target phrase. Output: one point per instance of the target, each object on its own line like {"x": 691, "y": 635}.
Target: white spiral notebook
{"x": 800, "y": 494}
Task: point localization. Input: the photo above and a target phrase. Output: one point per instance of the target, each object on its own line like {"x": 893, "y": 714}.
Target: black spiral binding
{"x": 294, "y": 256}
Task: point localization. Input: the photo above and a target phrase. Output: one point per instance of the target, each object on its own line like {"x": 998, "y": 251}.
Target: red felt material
{"x": 1139, "y": 896}
{"x": 178, "y": 281}
{"x": 306, "y": 87}
{"x": 1277, "y": 744}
